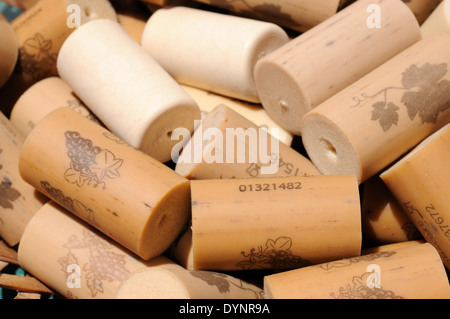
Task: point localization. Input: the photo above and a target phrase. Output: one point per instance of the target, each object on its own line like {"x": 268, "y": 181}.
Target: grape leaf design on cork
{"x": 276, "y": 254}
{"x": 103, "y": 265}
{"x": 427, "y": 95}
{"x": 90, "y": 164}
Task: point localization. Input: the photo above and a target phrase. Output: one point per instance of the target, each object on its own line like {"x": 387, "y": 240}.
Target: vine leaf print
{"x": 429, "y": 94}
{"x": 90, "y": 165}
{"x": 386, "y": 114}
{"x": 213, "y": 279}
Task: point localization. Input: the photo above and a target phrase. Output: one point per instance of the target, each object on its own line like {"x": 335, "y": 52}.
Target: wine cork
{"x": 412, "y": 272}
{"x": 179, "y": 283}
{"x": 393, "y": 246}
{"x": 18, "y": 200}
{"x": 212, "y": 51}
{"x": 207, "y": 101}
{"x": 43, "y": 28}
{"x": 43, "y": 97}
{"x": 370, "y": 124}
{"x": 274, "y": 223}
{"x": 132, "y": 198}
{"x": 228, "y": 145}
{"x": 126, "y": 88}
{"x": 419, "y": 181}
{"x": 300, "y": 15}
{"x": 73, "y": 258}
{"x": 9, "y": 50}
{"x": 319, "y": 63}
{"x": 383, "y": 219}
{"x": 181, "y": 250}
{"x": 422, "y": 8}
{"x": 438, "y": 21}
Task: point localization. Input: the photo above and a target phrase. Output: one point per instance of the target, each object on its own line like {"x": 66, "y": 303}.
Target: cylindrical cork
{"x": 299, "y": 15}
{"x": 383, "y": 219}
{"x": 209, "y": 50}
{"x": 43, "y": 97}
{"x": 43, "y": 28}
{"x": 18, "y": 200}
{"x": 126, "y": 88}
{"x": 228, "y": 145}
{"x": 126, "y": 194}
{"x": 319, "y": 63}
{"x": 422, "y": 8}
{"x": 420, "y": 183}
{"x": 411, "y": 272}
{"x": 180, "y": 283}
{"x": 207, "y": 101}
{"x": 274, "y": 223}
{"x": 388, "y": 247}
{"x": 73, "y": 258}
{"x": 438, "y": 21}
{"x": 181, "y": 250}
{"x": 9, "y": 50}
{"x": 367, "y": 126}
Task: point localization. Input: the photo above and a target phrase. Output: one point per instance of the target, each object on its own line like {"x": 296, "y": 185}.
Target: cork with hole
{"x": 370, "y": 124}
{"x": 319, "y": 63}
{"x": 126, "y": 194}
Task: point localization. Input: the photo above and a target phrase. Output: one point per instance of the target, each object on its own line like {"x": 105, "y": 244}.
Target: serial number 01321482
{"x": 266, "y": 187}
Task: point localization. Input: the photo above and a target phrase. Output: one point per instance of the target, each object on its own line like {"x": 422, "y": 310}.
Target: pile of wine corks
{"x": 257, "y": 149}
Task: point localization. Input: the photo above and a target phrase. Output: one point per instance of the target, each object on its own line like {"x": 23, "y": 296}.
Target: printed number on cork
{"x": 90, "y": 164}
{"x": 269, "y": 187}
{"x": 427, "y": 94}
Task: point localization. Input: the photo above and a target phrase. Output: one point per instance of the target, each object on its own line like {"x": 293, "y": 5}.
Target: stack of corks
{"x": 166, "y": 149}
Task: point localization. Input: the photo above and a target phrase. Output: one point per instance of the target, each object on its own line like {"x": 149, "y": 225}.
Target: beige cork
{"x": 411, "y": 272}
{"x": 438, "y": 21}
{"x": 43, "y": 97}
{"x": 9, "y": 50}
{"x": 126, "y": 88}
{"x": 299, "y": 15}
{"x": 321, "y": 62}
{"x": 274, "y": 223}
{"x": 367, "y": 126}
{"x": 18, "y": 200}
{"x": 180, "y": 283}
{"x": 126, "y": 194}
{"x": 229, "y": 145}
{"x": 383, "y": 219}
{"x": 181, "y": 249}
{"x": 207, "y": 101}
{"x": 420, "y": 182}
{"x": 73, "y": 258}
{"x": 43, "y": 28}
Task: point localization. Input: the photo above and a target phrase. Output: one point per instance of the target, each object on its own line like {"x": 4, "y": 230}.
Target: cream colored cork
{"x": 9, "y": 50}
{"x": 317, "y": 64}
{"x": 179, "y": 283}
{"x": 131, "y": 197}
{"x": 73, "y": 258}
{"x": 126, "y": 88}
{"x": 420, "y": 182}
{"x": 18, "y": 200}
{"x": 43, "y": 97}
{"x": 209, "y": 50}
{"x": 410, "y": 272}
{"x": 228, "y": 145}
{"x": 422, "y": 8}
{"x": 274, "y": 223}
{"x": 43, "y": 28}
{"x": 367, "y": 126}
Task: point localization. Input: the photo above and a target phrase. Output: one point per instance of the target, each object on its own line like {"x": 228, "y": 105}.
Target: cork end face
{"x": 280, "y": 95}
{"x": 152, "y": 283}
{"x": 162, "y": 134}
{"x": 166, "y": 221}
{"x": 328, "y": 147}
